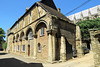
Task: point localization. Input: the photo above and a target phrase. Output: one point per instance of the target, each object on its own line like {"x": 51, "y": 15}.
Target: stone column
{"x": 15, "y": 46}
{"x": 26, "y": 47}
{"x": 50, "y": 49}
{"x": 8, "y": 45}
{"x": 31, "y": 48}
{"x": 35, "y": 47}
{"x": 51, "y": 46}
{"x": 95, "y": 47}
{"x": 12, "y": 46}
{"x": 78, "y": 42}
{"x": 20, "y": 42}
{"x": 54, "y": 45}
{"x": 63, "y": 49}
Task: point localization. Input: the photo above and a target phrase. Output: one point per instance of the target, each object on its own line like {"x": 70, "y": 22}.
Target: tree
{"x": 86, "y": 25}
{"x": 2, "y": 35}
{"x": 4, "y": 46}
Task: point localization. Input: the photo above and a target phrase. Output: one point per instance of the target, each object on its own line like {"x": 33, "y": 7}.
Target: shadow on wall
{"x": 12, "y": 62}
{"x": 69, "y": 52}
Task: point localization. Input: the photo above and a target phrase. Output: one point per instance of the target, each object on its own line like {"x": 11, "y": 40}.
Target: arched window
{"x": 13, "y": 39}
{"x": 18, "y": 39}
{"x": 30, "y": 35}
{"x": 23, "y": 37}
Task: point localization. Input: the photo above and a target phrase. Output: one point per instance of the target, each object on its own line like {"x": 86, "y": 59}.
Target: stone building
{"x": 90, "y": 13}
{"x": 95, "y": 41}
{"x": 43, "y": 33}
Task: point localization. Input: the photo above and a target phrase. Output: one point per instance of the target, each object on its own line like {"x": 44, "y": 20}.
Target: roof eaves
{"x": 64, "y": 19}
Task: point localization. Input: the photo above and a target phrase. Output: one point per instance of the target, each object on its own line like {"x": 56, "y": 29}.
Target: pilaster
{"x": 26, "y": 46}
{"x": 35, "y": 47}
{"x": 63, "y": 49}
{"x": 51, "y": 46}
{"x": 78, "y": 42}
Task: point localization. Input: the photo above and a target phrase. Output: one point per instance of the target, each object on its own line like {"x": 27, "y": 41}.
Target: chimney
{"x": 27, "y": 8}
{"x": 18, "y": 18}
{"x": 59, "y": 10}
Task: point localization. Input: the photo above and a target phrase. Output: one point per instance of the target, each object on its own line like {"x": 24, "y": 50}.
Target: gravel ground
{"x": 19, "y": 61}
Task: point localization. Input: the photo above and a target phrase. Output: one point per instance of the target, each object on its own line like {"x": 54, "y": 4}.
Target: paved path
{"x": 18, "y": 61}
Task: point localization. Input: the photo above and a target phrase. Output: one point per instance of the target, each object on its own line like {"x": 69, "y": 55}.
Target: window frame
{"x": 23, "y": 48}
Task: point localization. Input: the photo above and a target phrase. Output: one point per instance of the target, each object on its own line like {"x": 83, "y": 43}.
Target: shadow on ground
{"x": 3, "y": 53}
{"x": 12, "y": 62}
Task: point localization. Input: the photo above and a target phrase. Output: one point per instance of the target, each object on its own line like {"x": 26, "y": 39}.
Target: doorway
{"x": 28, "y": 50}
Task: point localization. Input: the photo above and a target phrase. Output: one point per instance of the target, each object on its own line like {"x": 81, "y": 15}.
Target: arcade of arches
{"x": 43, "y": 33}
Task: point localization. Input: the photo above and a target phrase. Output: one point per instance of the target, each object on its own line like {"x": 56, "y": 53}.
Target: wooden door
{"x": 28, "y": 50}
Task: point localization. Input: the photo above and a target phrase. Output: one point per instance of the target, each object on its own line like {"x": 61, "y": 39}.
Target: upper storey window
{"x": 18, "y": 39}
{"x": 30, "y": 35}
{"x": 42, "y": 31}
{"x": 23, "y": 37}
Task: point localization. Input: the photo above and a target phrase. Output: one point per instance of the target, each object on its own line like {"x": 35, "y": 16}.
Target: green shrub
{"x": 86, "y": 25}
{"x": 4, "y": 46}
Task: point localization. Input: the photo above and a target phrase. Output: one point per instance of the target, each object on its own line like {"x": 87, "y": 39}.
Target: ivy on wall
{"x": 86, "y": 25}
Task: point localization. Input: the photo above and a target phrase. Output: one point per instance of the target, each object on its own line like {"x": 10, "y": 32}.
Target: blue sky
{"x": 11, "y": 10}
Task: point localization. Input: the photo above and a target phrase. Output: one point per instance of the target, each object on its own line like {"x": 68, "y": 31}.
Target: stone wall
{"x": 69, "y": 32}
{"x": 95, "y": 41}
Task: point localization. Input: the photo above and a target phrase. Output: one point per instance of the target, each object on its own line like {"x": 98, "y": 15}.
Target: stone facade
{"x": 95, "y": 41}
{"x": 43, "y": 33}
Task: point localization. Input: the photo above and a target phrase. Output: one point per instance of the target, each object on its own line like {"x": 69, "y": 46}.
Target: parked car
{"x": 85, "y": 50}
{"x": 74, "y": 53}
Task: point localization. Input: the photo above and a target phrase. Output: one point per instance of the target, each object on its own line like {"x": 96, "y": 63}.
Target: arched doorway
{"x": 29, "y": 35}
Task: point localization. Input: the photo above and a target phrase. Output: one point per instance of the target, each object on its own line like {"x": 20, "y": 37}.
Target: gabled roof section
{"x": 49, "y": 3}
{"x": 53, "y": 11}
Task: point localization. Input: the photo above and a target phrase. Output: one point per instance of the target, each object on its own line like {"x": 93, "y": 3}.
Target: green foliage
{"x": 4, "y": 46}
{"x": 2, "y": 35}
{"x": 86, "y": 25}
